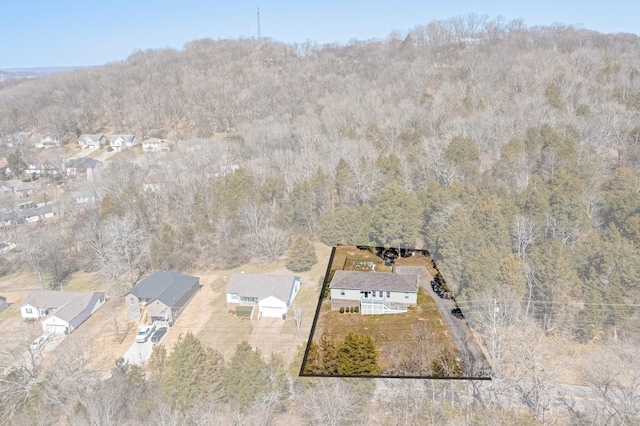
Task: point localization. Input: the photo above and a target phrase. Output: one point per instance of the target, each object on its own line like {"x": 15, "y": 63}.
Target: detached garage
{"x": 273, "y": 294}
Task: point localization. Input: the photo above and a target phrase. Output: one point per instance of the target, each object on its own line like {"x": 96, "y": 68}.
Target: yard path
{"x": 474, "y": 362}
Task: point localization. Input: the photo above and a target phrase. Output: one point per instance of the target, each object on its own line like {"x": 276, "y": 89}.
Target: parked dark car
{"x": 456, "y": 312}
{"x": 157, "y": 336}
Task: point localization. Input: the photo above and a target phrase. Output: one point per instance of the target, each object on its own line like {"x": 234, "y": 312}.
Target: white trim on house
{"x": 375, "y": 292}
{"x": 273, "y": 294}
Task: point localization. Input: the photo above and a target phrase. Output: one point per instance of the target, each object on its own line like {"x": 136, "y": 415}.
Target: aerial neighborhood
{"x": 48, "y": 170}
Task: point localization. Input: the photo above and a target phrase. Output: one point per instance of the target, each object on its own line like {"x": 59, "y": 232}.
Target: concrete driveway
{"x": 266, "y": 336}
{"x": 139, "y": 353}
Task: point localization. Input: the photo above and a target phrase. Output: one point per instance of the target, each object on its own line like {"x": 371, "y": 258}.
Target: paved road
{"x": 474, "y": 362}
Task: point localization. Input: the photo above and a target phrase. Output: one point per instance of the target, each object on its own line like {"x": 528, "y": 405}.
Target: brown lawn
{"x": 388, "y": 331}
{"x": 95, "y": 342}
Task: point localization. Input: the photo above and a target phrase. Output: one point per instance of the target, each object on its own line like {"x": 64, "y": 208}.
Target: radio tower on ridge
{"x": 259, "y": 35}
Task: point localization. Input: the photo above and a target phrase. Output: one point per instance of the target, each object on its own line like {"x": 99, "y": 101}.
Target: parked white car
{"x": 144, "y": 332}
{"x": 38, "y": 343}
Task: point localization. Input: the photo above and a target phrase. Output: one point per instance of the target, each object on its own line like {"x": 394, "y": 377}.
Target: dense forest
{"x": 511, "y": 153}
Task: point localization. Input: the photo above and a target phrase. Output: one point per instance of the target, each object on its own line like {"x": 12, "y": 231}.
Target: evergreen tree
{"x": 389, "y": 166}
{"x": 464, "y": 153}
{"x": 184, "y": 378}
{"x": 302, "y": 254}
{"x": 245, "y": 376}
{"x": 397, "y": 217}
{"x": 358, "y": 356}
{"x": 340, "y": 226}
{"x": 512, "y": 275}
{"x": 621, "y": 196}
{"x": 16, "y": 163}
{"x": 344, "y": 182}
{"x": 157, "y": 362}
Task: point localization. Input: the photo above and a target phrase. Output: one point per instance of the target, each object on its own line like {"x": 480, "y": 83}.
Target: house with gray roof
{"x": 120, "y": 142}
{"x": 162, "y": 296}
{"x": 269, "y": 295}
{"x": 83, "y": 168}
{"x": 92, "y": 141}
{"x": 374, "y": 292}
{"x": 61, "y": 312}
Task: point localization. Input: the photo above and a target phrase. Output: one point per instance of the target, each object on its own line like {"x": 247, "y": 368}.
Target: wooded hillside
{"x": 511, "y": 153}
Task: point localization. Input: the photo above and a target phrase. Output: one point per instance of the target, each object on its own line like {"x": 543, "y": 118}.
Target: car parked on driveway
{"x": 144, "y": 332}
{"x": 159, "y": 334}
{"x": 38, "y": 343}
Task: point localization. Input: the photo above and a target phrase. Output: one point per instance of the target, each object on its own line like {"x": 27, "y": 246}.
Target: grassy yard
{"x": 85, "y": 281}
{"x": 394, "y": 334}
{"x": 391, "y": 332}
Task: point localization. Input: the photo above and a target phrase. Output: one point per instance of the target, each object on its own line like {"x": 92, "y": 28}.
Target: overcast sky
{"x": 49, "y": 33}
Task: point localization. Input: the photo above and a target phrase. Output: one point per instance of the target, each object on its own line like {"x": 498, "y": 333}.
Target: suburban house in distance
{"x": 272, "y": 295}
{"x": 83, "y": 168}
{"x": 120, "y": 142}
{"x": 156, "y": 145}
{"x": 162, "y": 296}
{"x": 92, "y": 141}
{"x": 48, "y": 142}
{"x": 61, "y": 311}
{"x": 374, "y": 292}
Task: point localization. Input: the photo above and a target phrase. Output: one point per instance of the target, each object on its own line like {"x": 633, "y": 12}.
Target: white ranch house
{"x": 374, "y": 292}
{"x": 268, "y": 295}
{"x": 61, "y": 312}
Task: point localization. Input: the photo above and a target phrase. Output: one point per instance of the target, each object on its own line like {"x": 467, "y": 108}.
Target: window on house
{"x": 406, "y": 295}
{"x": 388, "y": 294}
{"x": 28, "y": 310}
{"x": 131, "y": 301}
{"x": 380, "y": 293}
{"x": 341, "y": 292}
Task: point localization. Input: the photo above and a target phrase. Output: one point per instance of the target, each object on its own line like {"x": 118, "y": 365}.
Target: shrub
{"x": 357, "y": 309}
{"x": 342, "y": 309}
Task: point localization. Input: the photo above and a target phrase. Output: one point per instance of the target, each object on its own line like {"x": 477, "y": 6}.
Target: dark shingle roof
{"x": 262, "y": 286}
{"x": 381, "y": 281}
{"x": 83, "y": 163}
{"x": 167, "y": 286}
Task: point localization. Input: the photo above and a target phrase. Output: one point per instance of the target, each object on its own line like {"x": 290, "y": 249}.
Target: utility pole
{"x": 259, "y": 35}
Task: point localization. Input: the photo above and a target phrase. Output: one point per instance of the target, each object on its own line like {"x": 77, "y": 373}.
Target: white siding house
{"x": 156, "y": 145}
{"x": 271, "y": 295}
{"x": 61, "y": 311}
{"x": 92, "y": 141}
{"x": 374, "y": 292}
{"x": 120, "y": 142}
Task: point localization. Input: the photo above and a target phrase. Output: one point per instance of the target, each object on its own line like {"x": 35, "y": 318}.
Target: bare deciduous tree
{"x": 270, "y": 243}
